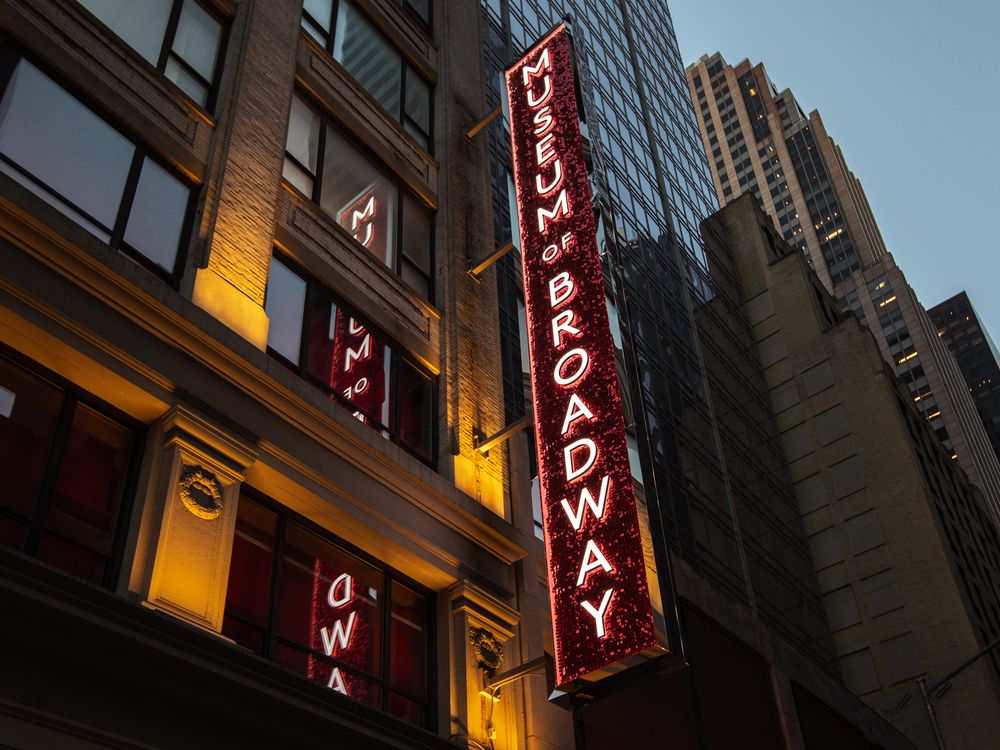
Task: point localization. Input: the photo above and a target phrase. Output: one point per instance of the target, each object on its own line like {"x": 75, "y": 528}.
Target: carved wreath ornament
{"x": 200, "y": 492}
{"x": 487, "y": 650}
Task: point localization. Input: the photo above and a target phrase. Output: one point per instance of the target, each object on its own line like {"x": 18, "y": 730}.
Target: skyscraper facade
{"x": 960, "y": 328}
{"x": 760, "y": 141}
{"x": 907, "y": 558}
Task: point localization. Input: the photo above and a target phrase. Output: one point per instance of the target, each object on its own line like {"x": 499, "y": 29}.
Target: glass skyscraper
{"x": 710, "y": 476}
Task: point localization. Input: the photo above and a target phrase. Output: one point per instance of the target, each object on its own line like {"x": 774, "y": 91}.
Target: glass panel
{"x": 418, "y": 100}
{"x": 321, "y": 12}
{"x": 91, "y": 479}
{"x": 284, "y": 305}
{"x": 414, "y": 131}
{"x": 415, "y": 419}
{"x": 141, "y": 25}
{"x": 303, "y": 135}
{"x": 185, "y": 81}
{"x": 250, "y": 569}
{"x": 12, "y": 533}
{"x": 360, "y": 197}
{"x": 348, "y": 359}
{"x": 245, "y": 635}
{"x": 297, "y": 177}
{"x": 329, "y": 603}
{"x": 157, "y": 216}
{"x": 325, "y": 672}
{"x": 29, "y": 408}
{"x": 368, "y": 57}
{"x": 197, "y": 39}
{"x": 70, "y": 557}
{"x": 408, "y": 639}
{"x": 63, "y": 144}
{"x": 422, "y": 8}
{"x": 417, "y": 234}
{"x": 415, "y": 278}
{"x": 405, "y": 709}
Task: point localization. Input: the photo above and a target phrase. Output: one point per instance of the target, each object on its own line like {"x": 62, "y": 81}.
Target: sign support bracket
{"x": 484, "y": 444}
{"x": 478, "y": 127}
{"x": 476, "y": 271}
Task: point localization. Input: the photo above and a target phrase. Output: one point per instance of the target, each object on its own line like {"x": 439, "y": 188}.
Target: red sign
{"x": 597, "y": 576}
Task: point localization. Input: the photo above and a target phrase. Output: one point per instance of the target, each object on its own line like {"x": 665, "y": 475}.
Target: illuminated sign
{"x": 597, "y": 576}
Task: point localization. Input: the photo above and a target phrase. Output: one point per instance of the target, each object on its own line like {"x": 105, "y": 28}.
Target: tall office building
{"x": 908, "y": 560}
{"x": 246, "y": 379}
{"x": 960, "y": 328}
{"x": 761, "y": 142}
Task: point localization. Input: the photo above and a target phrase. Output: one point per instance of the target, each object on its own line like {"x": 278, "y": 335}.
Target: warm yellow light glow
{"x": 886, "y": 301}
{"x": 935, "y": 414}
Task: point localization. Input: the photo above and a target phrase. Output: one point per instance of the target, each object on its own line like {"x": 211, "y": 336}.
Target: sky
{"x": 907, "y": 88}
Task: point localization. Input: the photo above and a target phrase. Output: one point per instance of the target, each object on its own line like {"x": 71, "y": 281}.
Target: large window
{"x": 302, "y": 600}
{"x": 61, "y": 150}
{"x": 66, "y": 464}
{"x": 355, "y": 43}
{"x": 181, "y": 38}
{"x": 336, "y": 350}
{"x": 381, "y": 216}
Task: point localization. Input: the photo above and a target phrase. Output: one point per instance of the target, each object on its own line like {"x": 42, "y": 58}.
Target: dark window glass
{"x": 360, "y": 196}
{"x": 329, "y": 620}
{"x": 70, "y": 157}
{"x": 181, "y": 38}
{"x": 68, "y": 466}
{"x": 338, "y": 351}
{"x": 353, "y": 41}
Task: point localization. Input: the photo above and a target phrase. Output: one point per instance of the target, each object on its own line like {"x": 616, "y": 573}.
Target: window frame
{"x": 327, "y": 120}
{"x": 268, "y": 629}
{"x": 167, "y": 44}
{"x": 330, "y": 37}
{"x": 11, "y": 54}
{"x": 73, "y": 396}
{"x": 315, "y": 288}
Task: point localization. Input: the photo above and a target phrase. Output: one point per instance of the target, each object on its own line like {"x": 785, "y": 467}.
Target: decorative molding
{"x": 487, "y": 650}
{"x": 200, "y": 492}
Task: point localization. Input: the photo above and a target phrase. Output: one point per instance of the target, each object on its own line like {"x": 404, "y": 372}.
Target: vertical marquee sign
{"x": 597, "y": 576}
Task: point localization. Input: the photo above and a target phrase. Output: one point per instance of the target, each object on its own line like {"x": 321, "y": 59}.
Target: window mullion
{"x": 272, "y": 600}
{"x": 168, "y": 35}
{"x": 334, "y": 20}
{"x": 320, "y": 158}
{"x": 53, "y": 462}
{"x": 386, "y": 646}
{"x": 128, "y": 195}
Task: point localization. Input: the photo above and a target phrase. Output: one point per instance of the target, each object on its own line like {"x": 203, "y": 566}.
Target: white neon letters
{"x": 598, "y": 613}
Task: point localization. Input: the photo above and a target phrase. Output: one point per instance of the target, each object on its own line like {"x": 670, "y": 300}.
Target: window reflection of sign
{"x": 601, "y": 611}
{"x": 339, "y": 630}
{"x": 358, "y": 369}
{"x": 367, "y": 217}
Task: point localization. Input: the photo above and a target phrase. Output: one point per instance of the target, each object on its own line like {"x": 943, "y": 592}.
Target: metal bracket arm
{"x": 483, "y": 445}
{"x": 476, "y": 270}
{"x": 478, "y": 127}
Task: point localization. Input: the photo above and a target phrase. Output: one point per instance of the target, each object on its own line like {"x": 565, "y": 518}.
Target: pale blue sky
{"x": 909, "y": 90}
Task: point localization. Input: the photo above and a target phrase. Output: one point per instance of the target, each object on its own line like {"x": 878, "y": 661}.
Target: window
{"x": 383, "y": 218}
{"x": 306, "y": 602}
{"x": 336, "y": 350}
{"x": 347, "y": 34}
{"x": 67, "y": 464}
{"x": 181, "y": 38}
{"x": 70, "y": 157}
